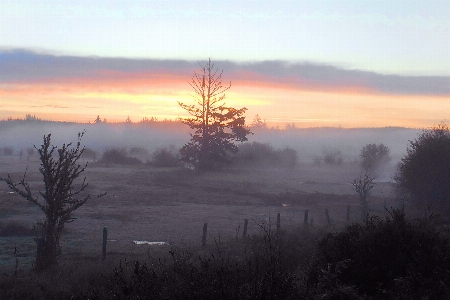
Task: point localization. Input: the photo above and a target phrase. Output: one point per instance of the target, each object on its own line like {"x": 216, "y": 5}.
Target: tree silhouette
{"x": 373, "y": 156}
{"x": 423, "y": 174}
{"x": 216, "y": 126}
{"x": 258, "y": 123}
{"x": 362, "y": 186}
{"x": 60, "y": 197}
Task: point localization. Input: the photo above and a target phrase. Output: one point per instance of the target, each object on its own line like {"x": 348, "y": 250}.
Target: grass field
{"x": 172, "y": 204}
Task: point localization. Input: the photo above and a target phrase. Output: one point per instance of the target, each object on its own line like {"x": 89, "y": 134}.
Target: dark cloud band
{"x": 27, "y": 66}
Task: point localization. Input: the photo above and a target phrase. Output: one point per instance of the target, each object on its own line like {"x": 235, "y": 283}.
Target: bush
{"x": 287, "y": 156}
{"x": 118, "y": 156}
{"x": 386, "y": 258}
{"x": 88, "y": 153}
{"x": 139, "y": 151}
{"x": 329, "y": 157}
{"x": 373, "y": 156}
{"x": 262, "y": 267}
{"x": 14, "y": 228}
{"x": 30, "y": 152}
{"x": 260, "y": 153}
{"x": 7, "y": 151}
{"x": 165, "y": 158}
{"x": 423, "y": 175}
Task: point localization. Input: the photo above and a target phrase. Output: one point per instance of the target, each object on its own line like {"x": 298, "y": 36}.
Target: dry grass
{"x": 171, "y": 204}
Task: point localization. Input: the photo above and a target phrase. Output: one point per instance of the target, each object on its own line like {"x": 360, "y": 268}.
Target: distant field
{"x": 171, "y": 204}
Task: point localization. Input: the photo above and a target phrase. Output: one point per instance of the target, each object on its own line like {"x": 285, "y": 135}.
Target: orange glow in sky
{"x": 81, "y": 100}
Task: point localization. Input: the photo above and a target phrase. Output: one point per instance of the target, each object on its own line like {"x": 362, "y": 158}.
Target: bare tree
{"x": 216, "y": 126}
{"x": 60, "y": 198}
{"x": 362, "y": 186}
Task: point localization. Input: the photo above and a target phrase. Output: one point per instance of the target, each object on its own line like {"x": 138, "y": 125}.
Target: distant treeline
{"x": 167, "y": 123}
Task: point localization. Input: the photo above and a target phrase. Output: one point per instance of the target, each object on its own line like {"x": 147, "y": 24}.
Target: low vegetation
{"x": 329, "y": 157}
{"x": 14, "y": 228}
{"x": 380, "y": 258}
{"x": 165, "y": 157}
{"x": 391, "y": 257}
{"x": 118, "y": 156}
{"x": 264, "y": 154}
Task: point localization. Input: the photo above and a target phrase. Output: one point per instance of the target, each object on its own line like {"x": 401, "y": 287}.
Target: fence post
{"x": 244, "y": 233}
{"x": 278, "y": 223}
{"x": 205, "y": 231}
{"x": 348, "y": 213}
{"x": 328, "y": 216}
{"x": 105, "y": 238}
{"x": 305, "y": 219}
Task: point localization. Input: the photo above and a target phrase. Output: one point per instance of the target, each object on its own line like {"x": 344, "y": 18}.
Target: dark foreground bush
{"x": 118, "y": 156}
{"x": 391, "y": 258}
{"x": 264, "y": 266}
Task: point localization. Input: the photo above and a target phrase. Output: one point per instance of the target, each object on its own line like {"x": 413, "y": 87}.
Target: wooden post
{"x": 205, "y": 231}
{"x": 105, "y": 238}
{"x": 328, "y": 216}
{"x": 244, "y": 233}
{"x": 278, "y": 223}
{"x": 348, "y": 213}
{"x": 305, "y": 219}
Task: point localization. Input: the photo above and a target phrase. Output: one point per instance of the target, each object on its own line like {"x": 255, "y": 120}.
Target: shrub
{"x": 139, "y": 151}
{"x": 256, "y": 153}
{"x": 7, "y": 151}
{"x": 264, "y": 153}
{"x": 118, "y": 156}
{"x": 386, "y": 258}
{"x": 287, "y": 156}
{"x": 165, "y": 157}
{"x": 14, "y": 228}
{"x": 329, "y": 157}
{"x": 261, "y": 267}
{"x": 423, "y": 175}
{"x": 373, "y": 156}
{"x": 88, "y": 153}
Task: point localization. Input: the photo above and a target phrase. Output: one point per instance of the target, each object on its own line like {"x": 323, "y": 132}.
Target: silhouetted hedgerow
{"x": 387, "y": 258}
{"x": 118, "y": 156}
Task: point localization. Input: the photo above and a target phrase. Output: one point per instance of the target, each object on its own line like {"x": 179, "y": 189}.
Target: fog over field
{"x": 308, "y": 143}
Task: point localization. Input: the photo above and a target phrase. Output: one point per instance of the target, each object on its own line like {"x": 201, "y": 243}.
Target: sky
{"x": 313, "y": 63}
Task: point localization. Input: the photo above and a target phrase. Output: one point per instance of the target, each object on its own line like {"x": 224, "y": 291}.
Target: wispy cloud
{"x": 134, "y": 75}
{"x": 49, "y": 106}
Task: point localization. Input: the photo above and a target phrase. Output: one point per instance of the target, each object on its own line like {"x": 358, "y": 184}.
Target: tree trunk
{"x": 47, "y": 249}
